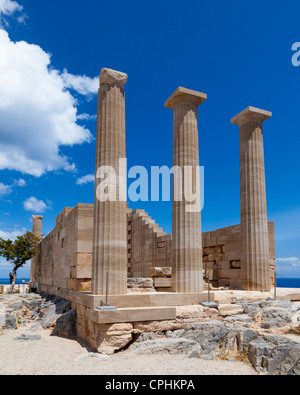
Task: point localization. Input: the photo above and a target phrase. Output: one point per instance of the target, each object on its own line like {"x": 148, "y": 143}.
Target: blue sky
{"x": 51, "y": 54}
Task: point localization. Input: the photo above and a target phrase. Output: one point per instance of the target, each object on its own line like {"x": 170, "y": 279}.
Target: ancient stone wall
{"x": 65, "y": 261}
{"x": 65, "y": 258}
{"x": 222, "y": 255}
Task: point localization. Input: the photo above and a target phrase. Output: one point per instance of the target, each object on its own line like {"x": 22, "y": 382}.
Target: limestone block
{"x": 234, "y": 247}
{"x": 224, "y": 265}
{"x": 228, "y": 297}
{"x": 143, "y": 283}
{"x": 232, "y": 256}
{"x": 231, "y": 273}
{"x": 83, "y": 259}
{"x": 195, "y": 313}
{"x": 79, "y": 284}
{"x": 109, "y": 344}
{"x": 134, "y": 314}
{"x": 156, "y": 326}
{"x": 212, "y": 250}
{"x": 82, "y": 332}
{"x": 230, "y": 309}
{"x": 215, "y": 257}
{"x": 160, "y": 271}
{"x": 163, "y": 282}
{"x": 209, "y": 242}
{"x": 81, "y": 272}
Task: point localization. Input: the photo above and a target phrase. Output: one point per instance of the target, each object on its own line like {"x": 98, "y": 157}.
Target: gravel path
{"x": 53, "y": 355}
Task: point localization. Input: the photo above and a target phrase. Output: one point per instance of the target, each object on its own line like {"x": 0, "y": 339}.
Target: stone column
{"x": 256, "y": 274}
{"x": 37, "y": 225}
{"x": 187, "y": 266}
{"x": 110, "y": 222}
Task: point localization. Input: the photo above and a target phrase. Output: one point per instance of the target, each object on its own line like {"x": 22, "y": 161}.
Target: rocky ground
{"x": 260, "y": 337}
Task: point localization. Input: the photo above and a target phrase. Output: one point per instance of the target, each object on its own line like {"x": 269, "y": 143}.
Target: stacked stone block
{"x": 147, "y": 245}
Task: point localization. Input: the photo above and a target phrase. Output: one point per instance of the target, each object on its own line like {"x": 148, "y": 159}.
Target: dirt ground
{"x": 52, "y": 355}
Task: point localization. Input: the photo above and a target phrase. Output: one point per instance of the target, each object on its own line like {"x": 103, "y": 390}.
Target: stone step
{"x": 156, "y": 299}
{"x": 133, "y": 314}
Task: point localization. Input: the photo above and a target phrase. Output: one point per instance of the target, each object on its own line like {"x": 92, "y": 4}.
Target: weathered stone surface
{"x": 108, "y": 345}
{"x": 208, "y": 334}
{"x": 110, "y": 252}
{"x": 160, "y": 271}
{"x": 37, "y": 225}
{"x": 10, "y": 321}
{"x": 145, "y": 284}
{"x": 66, "y": 324}
{"x": 275, "y": 317}
{"x": 186, "y": 217}
{"x": 27, "y": 338}
{"x": 107, "y": 339}
{"x": 39, "y": 310}
{"x": 156, "y": 326}
{"x": 275, "y": 355}
{"x": 170, "y": 346}
{"x": 227, "y": 297}
{"x": 195, "y": 313}
{"x": 109, "y": 76}
{"x": 230, "y": 309}
{"x": 242, "y": 319}
{"x": 255, "y": 256}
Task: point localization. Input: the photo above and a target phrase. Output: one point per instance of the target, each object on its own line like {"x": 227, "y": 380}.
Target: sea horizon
{"x": 6, "y": 281}
{"x": 281, "y": 282}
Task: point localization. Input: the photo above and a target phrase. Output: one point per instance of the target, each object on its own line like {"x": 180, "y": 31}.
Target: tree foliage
{"x": 19, "y": 251}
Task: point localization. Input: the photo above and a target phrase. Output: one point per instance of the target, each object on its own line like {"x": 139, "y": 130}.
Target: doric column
{"x": 256, "y": 274}
{"x": 110, "y": 222}
{"x": 187, "y": 271}
{"x": 37, "y": 225}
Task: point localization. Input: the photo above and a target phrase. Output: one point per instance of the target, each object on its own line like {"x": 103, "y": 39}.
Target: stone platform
{"x": 151, "y": 299}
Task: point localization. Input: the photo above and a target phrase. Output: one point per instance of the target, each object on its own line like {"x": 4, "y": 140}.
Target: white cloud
{"x": 35, "y": 205}
{"x": 86, "y": 117}
{"x": 292, "y": 261}
{"x": 12, "y": 234}
{"x": 37, "y": 113}
{"x": 7, "y": 189}
{"x": 288, "y": 266}
{"x": 20, "y": 182}
{"x": 9, "y": 8}
{"x": 80, "y": 83}
{"x": 86, "y": 179}
{"x": 4, "y": 189}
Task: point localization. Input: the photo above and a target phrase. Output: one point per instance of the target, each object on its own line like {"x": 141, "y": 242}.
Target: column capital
{"x": 249, "y": 114}
{"x": 112, "y": 77}
{"x": 182, "y": 94}
{"x": 40, "y": 217}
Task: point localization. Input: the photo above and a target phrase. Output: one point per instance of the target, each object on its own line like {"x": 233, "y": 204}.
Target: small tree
{"x": 20, "y": 251}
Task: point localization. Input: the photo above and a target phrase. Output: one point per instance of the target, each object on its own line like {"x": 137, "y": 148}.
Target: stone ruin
{"x": 90, "y": 241}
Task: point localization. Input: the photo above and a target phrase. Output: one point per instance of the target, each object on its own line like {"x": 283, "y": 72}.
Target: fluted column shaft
{"x": 37, "y": 225}
{"x": 110, "y": 224}
{"x": 187, "y": 272}
{"x": 256, "y": 275}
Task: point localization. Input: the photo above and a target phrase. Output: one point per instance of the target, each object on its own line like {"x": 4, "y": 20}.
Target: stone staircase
{"x": 143, "y": 234}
